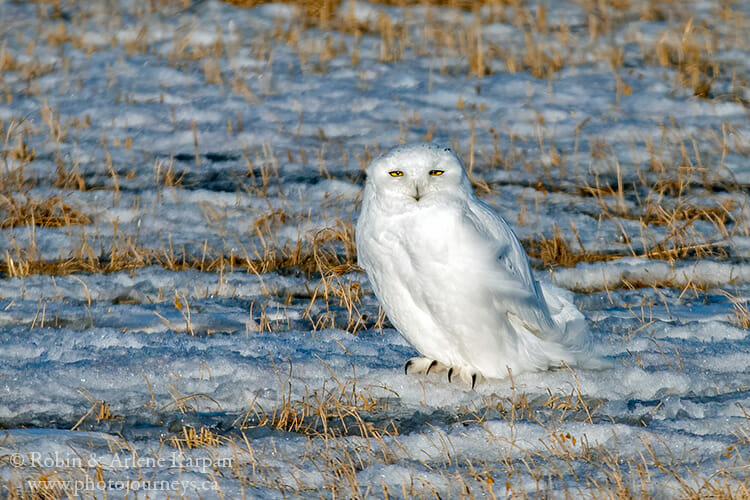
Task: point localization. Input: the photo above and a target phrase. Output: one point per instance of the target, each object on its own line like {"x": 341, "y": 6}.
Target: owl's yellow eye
{"x": 396, "y": 173}
{"x": 436, "y": 172}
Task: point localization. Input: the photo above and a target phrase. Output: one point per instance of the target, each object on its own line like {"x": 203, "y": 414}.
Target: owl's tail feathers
{"x": 573, "y": 330}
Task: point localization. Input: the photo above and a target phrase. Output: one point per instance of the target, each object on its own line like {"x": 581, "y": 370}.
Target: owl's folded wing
{"x": 507, "y": 275}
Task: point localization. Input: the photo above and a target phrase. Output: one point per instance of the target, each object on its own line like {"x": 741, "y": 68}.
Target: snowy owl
{"x": 452, "y": 275}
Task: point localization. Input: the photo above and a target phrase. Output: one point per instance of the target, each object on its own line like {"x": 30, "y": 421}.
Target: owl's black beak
{"x": 417, "y": 196}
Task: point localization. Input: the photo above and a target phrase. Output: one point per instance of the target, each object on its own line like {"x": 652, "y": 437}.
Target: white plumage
{"x": 452, "y": 276}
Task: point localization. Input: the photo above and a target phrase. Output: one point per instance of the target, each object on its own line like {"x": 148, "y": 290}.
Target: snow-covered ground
{"x": 186, "y": 319}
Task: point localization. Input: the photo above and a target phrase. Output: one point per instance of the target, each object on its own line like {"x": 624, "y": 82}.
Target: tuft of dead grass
{"x": 192, "y": 438}
{"x": 100, "y": 411}
{"x": 324, "y": 413}
{"x": 556, "y": 251}
{"x": 19, "y": 211}
{"x": 740, "y": 316}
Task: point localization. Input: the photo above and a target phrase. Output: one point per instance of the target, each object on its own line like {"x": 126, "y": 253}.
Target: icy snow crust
{"x": 170, "y": 351}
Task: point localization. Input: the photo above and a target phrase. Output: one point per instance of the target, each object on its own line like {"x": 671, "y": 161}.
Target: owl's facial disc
{"x": 417, "y": 172}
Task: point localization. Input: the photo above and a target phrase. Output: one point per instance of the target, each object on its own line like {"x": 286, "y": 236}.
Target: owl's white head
{"x": 418, "y": 173}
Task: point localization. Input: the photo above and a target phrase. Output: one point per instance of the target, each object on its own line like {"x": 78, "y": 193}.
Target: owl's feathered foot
{"x": 467, "y": 376}
{"x": 426, "y": 366}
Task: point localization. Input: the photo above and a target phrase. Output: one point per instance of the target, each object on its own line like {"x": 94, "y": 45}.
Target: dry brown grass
{"x": 564, "y": 455}
{"x": 15, "y": 154}
{"x": 688, "y": 46}
{"x": 439, "y": 38}
{"x": 556, "y": 251}
{"x": 322, "y": 8}
{"x": 740, "y": 316}
{"x": 99, "y": 411}
{"x": 20, "y": 211}
{"x": 47, "y": 486}
{"x": 333, "y": 287}
{"x": 330, "y": 251}
{"x": 683, "y": 204}
{"x": 341, "y": 439}
{"x": 192, "y": 438}
{"x": 327, "y": 413}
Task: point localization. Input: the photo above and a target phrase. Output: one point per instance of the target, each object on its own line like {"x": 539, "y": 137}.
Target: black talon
{"x": 473, "y": 380}
{"x": 432, "y": 365}
{"x": 450, "y": 374}
{"x": 406, "y": 367}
